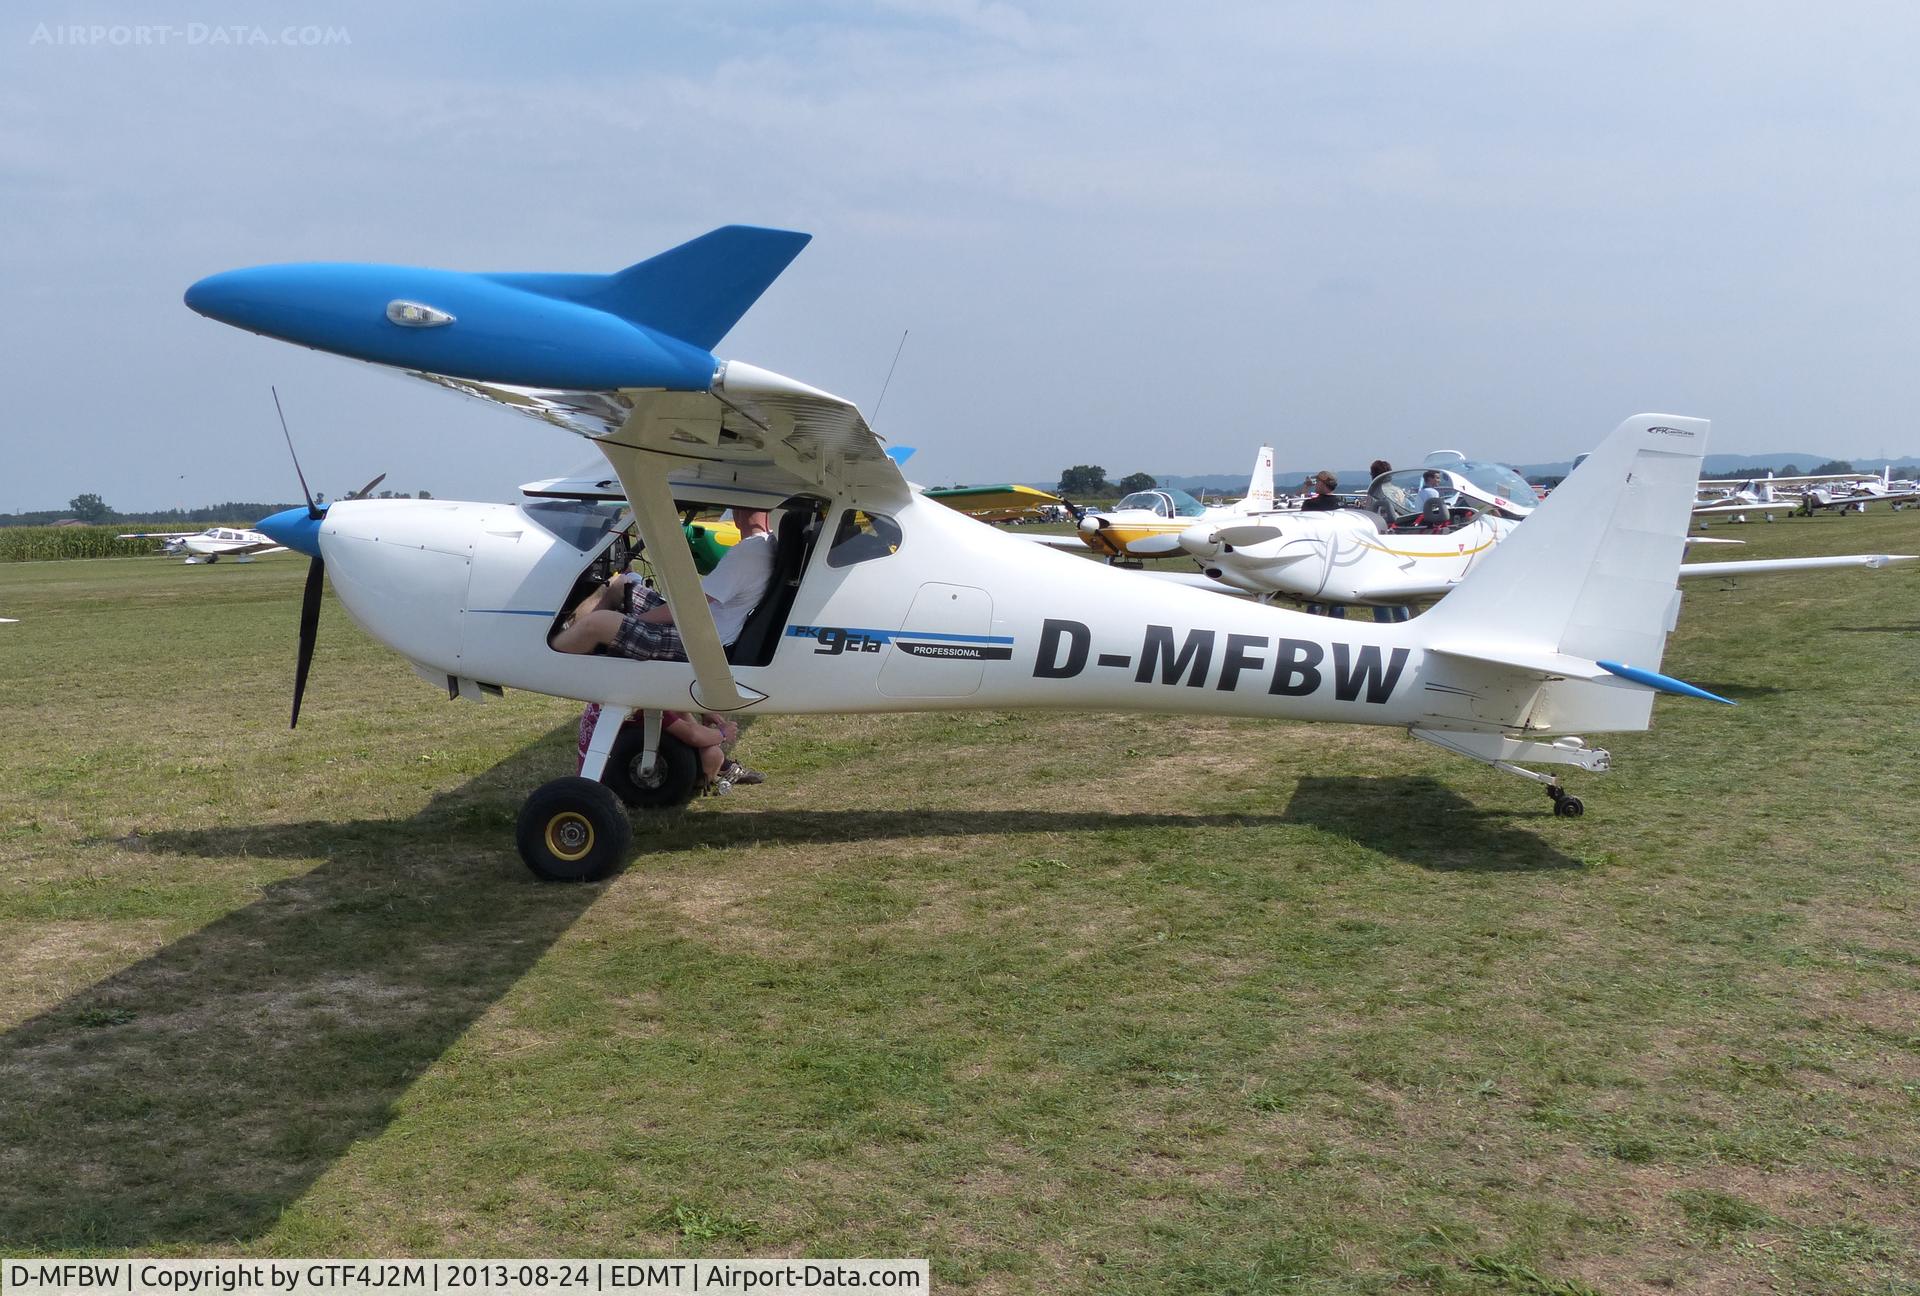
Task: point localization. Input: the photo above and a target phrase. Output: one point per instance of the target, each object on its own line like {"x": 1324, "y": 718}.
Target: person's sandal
{"x": 739, "y": 775}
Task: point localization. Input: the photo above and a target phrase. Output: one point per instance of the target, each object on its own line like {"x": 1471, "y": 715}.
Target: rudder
{"x": 1260, "y": 484}
{"x": 1592, "y": 574}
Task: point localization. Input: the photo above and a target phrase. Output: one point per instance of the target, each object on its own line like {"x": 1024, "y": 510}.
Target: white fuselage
{"x": 960, "y": 616}
{"x": 1341, "y": 556}
{"x": 222, "y": 542}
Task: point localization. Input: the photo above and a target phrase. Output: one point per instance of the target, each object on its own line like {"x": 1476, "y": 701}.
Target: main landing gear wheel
{"x": 573, "y": 830}
{"x": 671, "y": 783}
{"x": 1567, "y": 807}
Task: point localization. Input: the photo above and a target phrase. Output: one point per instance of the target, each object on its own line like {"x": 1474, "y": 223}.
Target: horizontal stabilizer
{"x": 1762, "y": 566}
{"x": 1553, "y": 665}
{"x": 1548, "y": 665}
{"x": 1664, "y": 683}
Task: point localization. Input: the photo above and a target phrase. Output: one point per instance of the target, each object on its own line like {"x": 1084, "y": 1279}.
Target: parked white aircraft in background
{"x": 1395, "y": 551}
{"x": 1735, "y": 498}
{"x": 213, "y": 544}
{"x": 1839, "y": 492}
{"x": 1858, "y": 493}
{"x": 1148, "y": 523}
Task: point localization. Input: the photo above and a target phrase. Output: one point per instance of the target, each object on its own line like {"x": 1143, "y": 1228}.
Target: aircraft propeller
{"x": 303, "y": 534}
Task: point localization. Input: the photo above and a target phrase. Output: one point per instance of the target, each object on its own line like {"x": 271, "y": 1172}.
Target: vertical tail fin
{"x": 1593, "y": 572}
{"x": 694, "y": 292}
{"x": 1260, "y": 485}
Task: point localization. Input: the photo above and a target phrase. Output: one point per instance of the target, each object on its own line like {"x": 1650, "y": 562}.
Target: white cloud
{"x": 1144, "y": 235}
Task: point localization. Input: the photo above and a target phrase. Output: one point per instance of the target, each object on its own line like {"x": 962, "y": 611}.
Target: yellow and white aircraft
{"x": 1148, "y": 523}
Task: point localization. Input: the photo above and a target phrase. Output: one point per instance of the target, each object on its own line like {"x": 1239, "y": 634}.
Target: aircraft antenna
{"x": 311, "y": 511}
{"x": 874, "y": 422}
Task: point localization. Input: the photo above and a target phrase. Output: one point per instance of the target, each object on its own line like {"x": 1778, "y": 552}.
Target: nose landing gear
{"x": 573, "y": 830}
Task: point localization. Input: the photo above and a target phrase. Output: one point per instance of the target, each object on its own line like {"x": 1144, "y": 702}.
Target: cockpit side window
{"x": 1185, "y": 505}
{"x": 862, "y": 537}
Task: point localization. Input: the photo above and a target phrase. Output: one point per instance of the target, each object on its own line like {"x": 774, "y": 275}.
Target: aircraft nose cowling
{"x": 1091, "y": 524}
{"x": 1200, "y": 541}
{"x": 295, "y": 528}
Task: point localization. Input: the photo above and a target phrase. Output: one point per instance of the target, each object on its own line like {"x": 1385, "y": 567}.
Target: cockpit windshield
{"x": 573, "y": 522}
{"x": 1501, "y": 486}
{"x": 1462, "y": 484}
{"x": 1164, "y": 503}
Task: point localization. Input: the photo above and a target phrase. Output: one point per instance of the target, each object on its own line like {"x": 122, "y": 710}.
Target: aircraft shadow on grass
{"x": 191, "y": 1097}
{"x": 1426, "y": 823}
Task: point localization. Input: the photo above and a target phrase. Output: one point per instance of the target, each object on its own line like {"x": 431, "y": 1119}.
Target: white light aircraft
{"x": 1857, "y": 494}
{"x": 1397, "y": 551}
{"x": 883, "y": 600}
{"x": 1735, "y": 498}
{"x": 238, "y": 544}
{"x": 1148, "y": 523}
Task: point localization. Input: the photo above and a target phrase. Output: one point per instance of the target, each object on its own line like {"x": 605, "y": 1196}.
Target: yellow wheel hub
{"x": 569, "y": 835}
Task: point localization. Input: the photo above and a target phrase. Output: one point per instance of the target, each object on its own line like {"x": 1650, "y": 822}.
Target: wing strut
{"x": 643, "y": 474}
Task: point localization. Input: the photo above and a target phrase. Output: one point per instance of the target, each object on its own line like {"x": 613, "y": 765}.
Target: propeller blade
{"x": 367, "y": 490}
{"x": 312, "y": 512}
{"x": 309, "y": 624}
{"x": 1241, "y": 536}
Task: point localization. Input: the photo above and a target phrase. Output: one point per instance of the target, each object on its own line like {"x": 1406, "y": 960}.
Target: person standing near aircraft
{"x": 1326, "y": 484}
{"x": 646, "y": 631}
{"x": 1375, "y": 471}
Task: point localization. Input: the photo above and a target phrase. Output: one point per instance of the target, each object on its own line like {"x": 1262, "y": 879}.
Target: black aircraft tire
{"x": 675, "y": 777}
{"x": 573, "y": 830}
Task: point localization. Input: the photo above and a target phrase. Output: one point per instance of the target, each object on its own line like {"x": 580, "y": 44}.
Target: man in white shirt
{"x": 646, "y": 631}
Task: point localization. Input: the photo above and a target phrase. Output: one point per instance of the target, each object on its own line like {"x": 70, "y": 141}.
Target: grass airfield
{"x": 1062, "y": 1003}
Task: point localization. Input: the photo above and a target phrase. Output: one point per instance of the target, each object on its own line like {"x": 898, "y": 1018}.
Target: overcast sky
{"x": 1148, "y": 236}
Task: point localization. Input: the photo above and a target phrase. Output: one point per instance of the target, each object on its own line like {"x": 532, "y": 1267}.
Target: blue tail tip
{"x": 1663, "y": 683}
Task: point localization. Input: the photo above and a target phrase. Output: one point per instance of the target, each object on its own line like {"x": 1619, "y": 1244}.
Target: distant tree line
{"x": 1832, "y": 467}
{"x": 1091, "y": 480}
{"x": 94, "y": 511}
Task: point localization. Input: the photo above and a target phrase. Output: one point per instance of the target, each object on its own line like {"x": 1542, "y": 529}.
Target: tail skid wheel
{"x": 1565, "y": 806}
{"x": 573, "y": 830}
